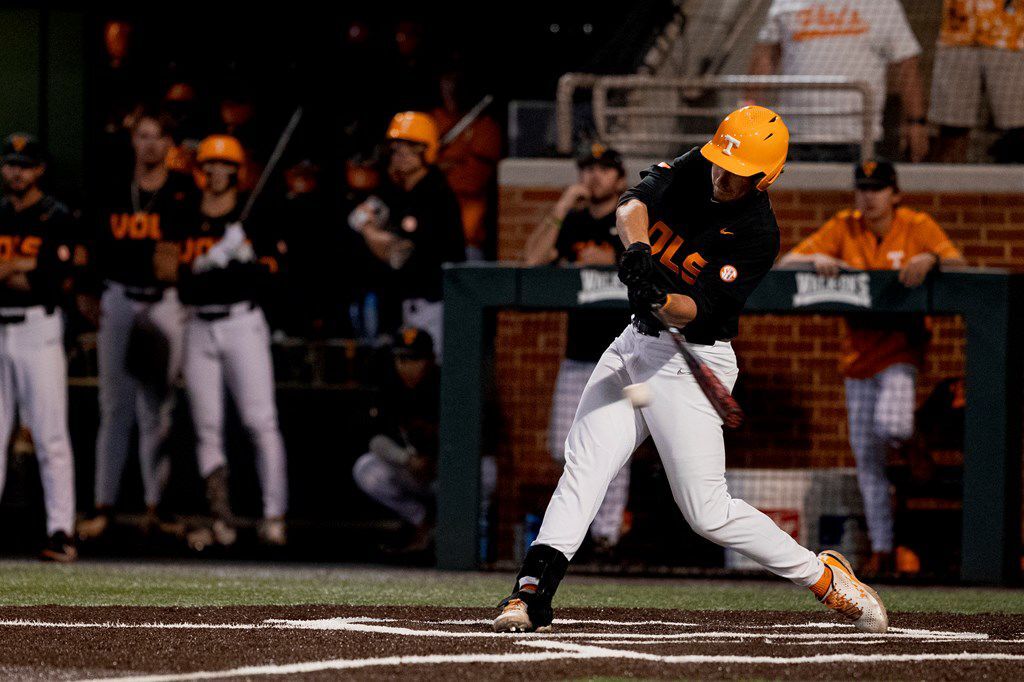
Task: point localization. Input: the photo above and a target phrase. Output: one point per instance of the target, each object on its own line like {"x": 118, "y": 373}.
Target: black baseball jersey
{"x": 130, "y": 223}
{"x": 429, "y": 216}
{"x": 589, "y": 332}
{"x": 44, "y": 231}
{"x": 238, "y": 282}
{"x": 715, "y": 252}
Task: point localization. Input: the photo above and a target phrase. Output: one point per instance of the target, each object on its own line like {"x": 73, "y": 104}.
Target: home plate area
{"x": 321, "y": 642}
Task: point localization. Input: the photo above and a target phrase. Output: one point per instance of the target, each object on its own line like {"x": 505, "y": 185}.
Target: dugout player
{"x": 141, "y": 321}
{"x": 35, "y": 274}
{"x": 226, "y": 268}
{"x": 701, "y": 235}
{"x": 580, "y": 230}
{"x": 414, "y": 223}
{"x": 882, "y": 354}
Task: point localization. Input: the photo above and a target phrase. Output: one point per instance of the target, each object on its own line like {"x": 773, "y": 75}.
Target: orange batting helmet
{"x": 217, "y": 148}
{"x": 415, "y": 126}
{"x": 749, "y": 141}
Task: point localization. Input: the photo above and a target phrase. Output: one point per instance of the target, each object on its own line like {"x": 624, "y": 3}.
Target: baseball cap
{"x": 412, "y": 342}
{"x": 22, "y": 148}
{"x": 877, "y": 174}
{"x": 596, "y": 153}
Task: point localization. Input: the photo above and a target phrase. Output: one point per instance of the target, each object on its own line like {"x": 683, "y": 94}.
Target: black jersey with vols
{"x": 715, "y": 252}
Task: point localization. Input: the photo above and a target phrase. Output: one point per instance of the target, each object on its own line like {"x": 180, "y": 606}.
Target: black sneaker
{"x": 59, "y": 548}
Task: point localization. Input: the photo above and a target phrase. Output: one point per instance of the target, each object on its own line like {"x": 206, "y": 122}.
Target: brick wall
{"x": 789, "y": 384}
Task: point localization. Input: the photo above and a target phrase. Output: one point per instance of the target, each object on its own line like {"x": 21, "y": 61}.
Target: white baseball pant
{"x": 688, "y": 435}
{"x": 409, "y": 497}
{"x": 881, "y": 416}
{"x": 234, "y": 351}
{"x": 34, "y": 381}
{"x": 124, "y": 401}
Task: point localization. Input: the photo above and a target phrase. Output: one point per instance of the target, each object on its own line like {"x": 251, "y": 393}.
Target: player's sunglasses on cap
{"x": 877, "y": 174}
{"x": 596, "y": 154}
{"x": 22, "y": 149}
{"x": 750, "y": 141}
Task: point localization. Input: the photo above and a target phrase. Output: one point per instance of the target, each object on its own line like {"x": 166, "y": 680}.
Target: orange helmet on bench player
{"x": 217, "y": 148}
{"x": 749, "y": 141}
{"x": 415, "y": 126}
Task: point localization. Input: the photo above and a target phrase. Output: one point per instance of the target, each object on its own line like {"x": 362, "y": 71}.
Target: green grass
{"x": 207, "y": 584}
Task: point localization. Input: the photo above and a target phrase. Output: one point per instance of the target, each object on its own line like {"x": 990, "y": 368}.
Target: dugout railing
{"x": 633, "y": 112}
{"x": 990, "y": 302}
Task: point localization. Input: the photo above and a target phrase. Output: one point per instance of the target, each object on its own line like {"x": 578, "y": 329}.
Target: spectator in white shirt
{"x": 858, "y": 39}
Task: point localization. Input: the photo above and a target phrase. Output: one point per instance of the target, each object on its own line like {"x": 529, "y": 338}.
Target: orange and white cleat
{"x": 850, "y": 597}
{"x": 515, "y": 618}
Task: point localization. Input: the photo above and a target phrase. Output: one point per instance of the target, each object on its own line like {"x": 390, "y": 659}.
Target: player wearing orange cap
{"x": 413, "y": 223}
{"x": 700, "y": 235}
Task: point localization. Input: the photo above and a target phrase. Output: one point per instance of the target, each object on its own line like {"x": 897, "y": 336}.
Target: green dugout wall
{"x": 990, "y": 303}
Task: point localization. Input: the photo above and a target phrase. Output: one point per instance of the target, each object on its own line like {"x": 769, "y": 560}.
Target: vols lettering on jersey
{"x": 193, "y": 247}
{"x": 135, "y": 226}
{"x": 694, "y": 239}
{"x": 13, "y": 246}
{"x": 689, "y": 268}
{"x": 132, "y": 221}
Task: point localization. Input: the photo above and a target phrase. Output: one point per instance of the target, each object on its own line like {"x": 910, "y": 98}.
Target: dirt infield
{"x": 321, "y": 642}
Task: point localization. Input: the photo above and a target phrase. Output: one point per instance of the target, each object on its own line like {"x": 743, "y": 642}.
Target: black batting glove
{"x": 645, "y": 297}
{"x": 636, "y": 264}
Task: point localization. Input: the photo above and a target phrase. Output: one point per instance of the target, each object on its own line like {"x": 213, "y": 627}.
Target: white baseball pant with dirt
{"x": 234, "y": 351}
{"x": 125, "y": 401}
{"x": 688, "y": 435}
{"x": 34, "y": 380}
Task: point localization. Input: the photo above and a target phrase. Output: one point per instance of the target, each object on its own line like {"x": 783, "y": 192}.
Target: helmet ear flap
{"x": 771, "y": 177}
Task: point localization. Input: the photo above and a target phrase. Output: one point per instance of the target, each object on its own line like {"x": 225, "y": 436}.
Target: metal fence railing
{"x": 638, "y": 112}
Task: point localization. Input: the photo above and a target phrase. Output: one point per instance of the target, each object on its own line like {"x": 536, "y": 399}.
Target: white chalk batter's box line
{"x": 554, "y": 647}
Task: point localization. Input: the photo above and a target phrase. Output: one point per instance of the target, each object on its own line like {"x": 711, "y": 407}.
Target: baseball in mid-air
{"x": 638, "y": 395}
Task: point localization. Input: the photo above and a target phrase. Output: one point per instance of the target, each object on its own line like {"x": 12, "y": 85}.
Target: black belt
{"x": 144, "y": 296}
{"x": 12, "y": 319}
{"x": 214, "y": 315}
{"x": 652, "y": 328}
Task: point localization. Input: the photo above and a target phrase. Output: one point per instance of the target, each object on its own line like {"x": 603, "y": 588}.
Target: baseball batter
{"x": 35, "y": 271}
{"x": 700, "y": 234}
{"x": 227, "y": 339}
{"x": 136, "y": 256}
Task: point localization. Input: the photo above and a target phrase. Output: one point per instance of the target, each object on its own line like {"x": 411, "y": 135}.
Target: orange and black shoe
{"x": 60, "y": 548}
{"x": 840, "y": 590}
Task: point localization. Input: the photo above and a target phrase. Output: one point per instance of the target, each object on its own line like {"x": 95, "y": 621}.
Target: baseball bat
{"x": 466, "y": 120}
{"x": 719, "y": 397}
{"x": 275, "y": 157}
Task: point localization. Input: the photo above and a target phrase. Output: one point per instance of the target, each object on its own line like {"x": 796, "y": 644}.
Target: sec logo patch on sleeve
{"x": 728, "y": 273}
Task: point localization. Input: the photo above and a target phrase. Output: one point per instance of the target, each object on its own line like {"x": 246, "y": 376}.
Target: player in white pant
{"x": 136, "y": 259}
{"x": 35, "y": 272}
{"x": 713, "y": 201}
{"x": 227, "y": 340}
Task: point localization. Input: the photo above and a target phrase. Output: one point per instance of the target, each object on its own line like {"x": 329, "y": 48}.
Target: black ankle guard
{"x": 538, "y": 580}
